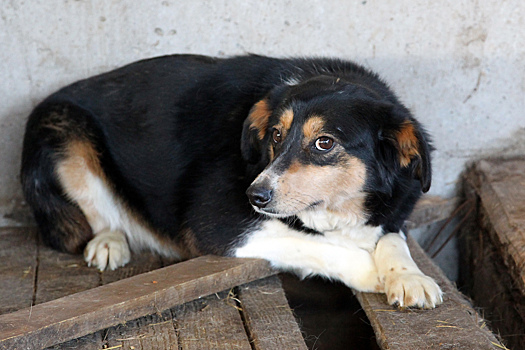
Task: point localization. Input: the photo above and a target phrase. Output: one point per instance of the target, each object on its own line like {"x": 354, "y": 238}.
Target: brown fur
{"x": 408, "y": 143}
{"x": 259, "y": 116}
{"x": 74, "y": 222}
{"x": 190, "y": 244}
{"x": 82, "y": 153}
{"x": 80, "y": 162}
{"x": 285, "y": 122}
{"x": 271, "y": 152}
{"x": 313, "y": 127}
{"x": 340, "y": 189}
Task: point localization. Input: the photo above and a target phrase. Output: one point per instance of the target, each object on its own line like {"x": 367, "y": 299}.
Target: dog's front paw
{"x": 412, "y": 290}
{"x": 108, "y": 249}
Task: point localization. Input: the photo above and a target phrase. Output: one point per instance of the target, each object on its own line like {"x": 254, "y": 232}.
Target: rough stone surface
{"x": 458, "y": 65}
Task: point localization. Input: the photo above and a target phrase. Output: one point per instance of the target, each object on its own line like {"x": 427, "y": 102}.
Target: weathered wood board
{"x": 274, "y": 328}
{"x": 18, "y": 256}
{"x": 213, "y": 322}
{"x": 155, "y": 331}
{"x": 268, "y": 316}
{"x": 493, "y": 270}
{"x": 452, "y": 325}
{"x": 255, "y": 315}
{"x": 82, "y": 313}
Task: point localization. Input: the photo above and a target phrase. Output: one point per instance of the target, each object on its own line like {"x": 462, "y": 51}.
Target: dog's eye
{"x": 277, "y": 137}
{"x": 324, "y": 143}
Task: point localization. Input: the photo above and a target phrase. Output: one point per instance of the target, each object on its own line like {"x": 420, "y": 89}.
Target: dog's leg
{"x": 109, "y": 246}
{"x": 405, "y": 284}
{"x": 307, "y": 254}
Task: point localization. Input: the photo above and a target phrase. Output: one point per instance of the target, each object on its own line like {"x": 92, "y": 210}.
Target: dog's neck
{"x": 341, "y": 226}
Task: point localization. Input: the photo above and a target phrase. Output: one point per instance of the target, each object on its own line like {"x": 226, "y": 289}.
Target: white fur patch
{"x": 104, "y": 212}
{"x": 291, "y": 81}
{"x": 336, "y": 257}
{"x": 108, "y": 249}
{"x": 337, "y": 228}
{"x": 404, "y": 282}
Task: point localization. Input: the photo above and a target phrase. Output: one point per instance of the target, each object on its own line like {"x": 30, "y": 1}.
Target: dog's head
{"x": 327, "y": 143}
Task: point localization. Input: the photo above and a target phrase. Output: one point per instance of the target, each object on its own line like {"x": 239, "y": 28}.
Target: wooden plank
{"x": 452, "y": 325}
{"x": 213, "y": 322}
{"x": 83, "y": 313}
{"x": 493, "y": 245}
{"x": 92, "y": 341}
{"x": 18, "y": 251}
{"x": 140, "y": 263}
{"x": 155, "y": 331}
{"x": 502, "y": 303}
{"x": 61, "y": 274}
{"x": 502, "y": 192}
{"x": 269, "y": 319}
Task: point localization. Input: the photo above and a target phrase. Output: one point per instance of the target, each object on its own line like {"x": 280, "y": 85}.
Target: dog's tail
{"x": 52, "y": 128}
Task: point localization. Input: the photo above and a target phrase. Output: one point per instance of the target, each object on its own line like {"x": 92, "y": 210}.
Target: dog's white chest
{"x": 342, "y": 230}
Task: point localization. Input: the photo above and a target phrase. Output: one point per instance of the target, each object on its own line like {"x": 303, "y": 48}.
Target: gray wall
{"x": 458, "y": 65}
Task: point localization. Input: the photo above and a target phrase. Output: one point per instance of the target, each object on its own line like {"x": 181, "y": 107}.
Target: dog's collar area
{"x": 297, "y": 224}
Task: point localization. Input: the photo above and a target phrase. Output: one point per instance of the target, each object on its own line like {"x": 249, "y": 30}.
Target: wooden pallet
{"x": 203, "y": 303}
{"x": 452, "y": 325}
{"x": 494, "y": 245}
{"x": 53, "y": 299}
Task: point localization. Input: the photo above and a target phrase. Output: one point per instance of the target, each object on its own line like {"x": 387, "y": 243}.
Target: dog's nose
{"x": 259, "y": 196}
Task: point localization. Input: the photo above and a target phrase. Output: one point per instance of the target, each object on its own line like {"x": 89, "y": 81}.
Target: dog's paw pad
{"x": 413, "y": 290}
{"x": 109, "y": 249}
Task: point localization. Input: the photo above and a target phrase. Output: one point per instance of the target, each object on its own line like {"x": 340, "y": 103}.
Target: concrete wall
{"x": 459, "y": 65}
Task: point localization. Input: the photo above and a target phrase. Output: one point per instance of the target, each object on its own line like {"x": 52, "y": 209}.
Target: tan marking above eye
{"x": 313, "y": 126}
{"x": 286, "y": 119}
{"x": 280, "y": 130}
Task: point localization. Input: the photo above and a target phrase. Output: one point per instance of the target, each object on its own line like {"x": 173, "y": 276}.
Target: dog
{"x": 310, "y": 163}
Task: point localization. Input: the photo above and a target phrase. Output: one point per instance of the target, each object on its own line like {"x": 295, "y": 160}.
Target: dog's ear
{"x": 411, "y": 147}
{"x": 254, "y": 131}
{"x": 414, "y": 152}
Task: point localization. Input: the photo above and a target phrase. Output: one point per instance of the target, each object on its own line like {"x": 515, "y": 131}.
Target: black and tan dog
{"x": 312, "y": 164}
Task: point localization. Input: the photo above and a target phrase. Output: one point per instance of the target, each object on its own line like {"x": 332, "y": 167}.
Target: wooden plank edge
{"x": 86, "y": 312}
{"x": 453, "y": 299}
{"x": 268, "y": 317}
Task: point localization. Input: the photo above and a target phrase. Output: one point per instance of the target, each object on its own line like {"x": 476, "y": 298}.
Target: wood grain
{"x": 155, "y": 331}
{"x": 83, "y": 313}
{"x": 493, "y": 244}
{"x": 62, "y": 274}
{"x": 94, "y": 341}
{"x": 140, "y": 263}
{"x": 18, "y": 255}
{"x": 212, "y": 322}
{"x": 268, "y": 316}
{"x": 502, "y": 194}
{"x": 452, "y": 325}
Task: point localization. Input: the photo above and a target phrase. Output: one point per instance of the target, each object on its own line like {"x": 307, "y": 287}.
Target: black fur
{"x": 174, "y": 144}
